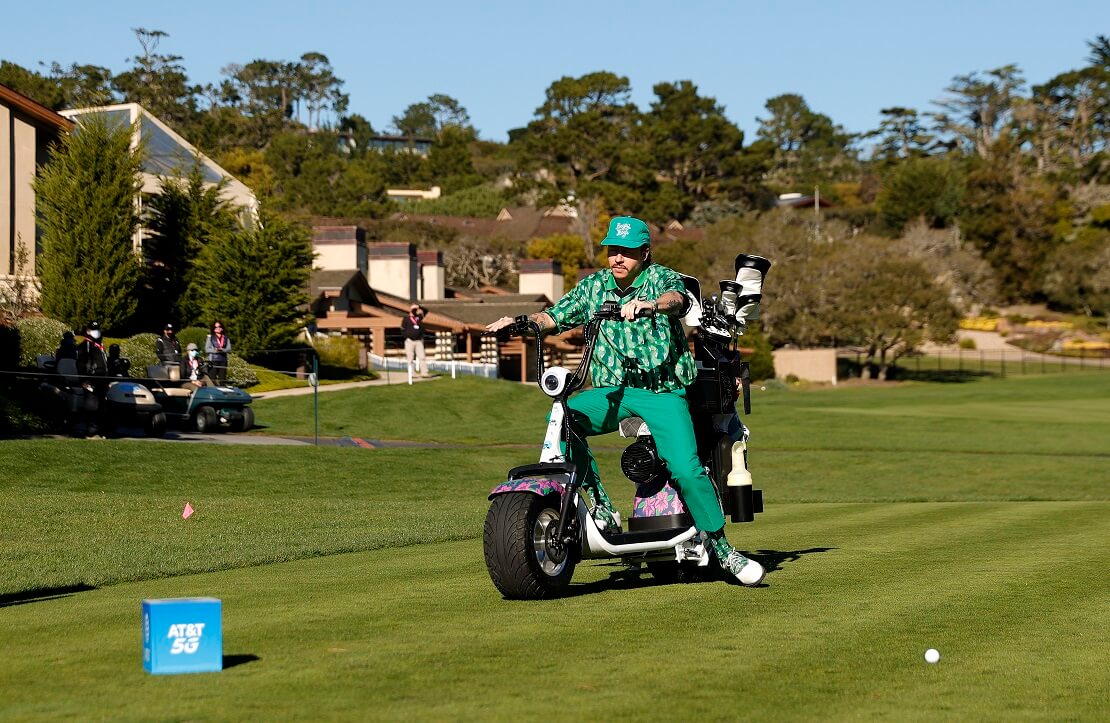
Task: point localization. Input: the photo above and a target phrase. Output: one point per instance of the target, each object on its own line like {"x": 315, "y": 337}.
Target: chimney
{"x": 391, "y": 268}
{"x": 432, "y": 275}
{"x": 339, "y": 248}
{"x": 542, "y": 276}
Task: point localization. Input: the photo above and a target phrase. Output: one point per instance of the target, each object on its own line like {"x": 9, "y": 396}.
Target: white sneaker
{"x": 747, "y": 571}
{"x": 606, "y": 518}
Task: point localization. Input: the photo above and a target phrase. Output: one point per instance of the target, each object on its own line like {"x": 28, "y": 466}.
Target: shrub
{"x": 239, "y": 372}
{"x": 338, "y": 351}
{"x": 140, "y": 350}
{"x": 967, "y": 343}
{"x": 38, "y": 335}
{"x": 14, "y": 419}
{"x": 192, "y": 334}
{"x": 791, "y": 379}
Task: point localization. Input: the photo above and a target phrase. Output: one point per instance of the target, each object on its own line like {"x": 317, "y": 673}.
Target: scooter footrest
{"x": 629, "y": 538}
{"x": 660, "y": 522}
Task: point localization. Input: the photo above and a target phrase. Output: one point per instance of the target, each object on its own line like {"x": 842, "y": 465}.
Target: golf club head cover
{"x": 750, "y": 271}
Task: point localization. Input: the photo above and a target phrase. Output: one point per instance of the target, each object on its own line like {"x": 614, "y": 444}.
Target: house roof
{"x": 522, "y": 223}
{"x": 167, "y": 153}
{"x": 32, "y": 109}
{"x": 449, "y": 314}
{"x": 480, "y": 312}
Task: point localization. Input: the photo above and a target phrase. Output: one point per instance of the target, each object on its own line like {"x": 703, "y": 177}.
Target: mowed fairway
{"x": 972, "y": 518}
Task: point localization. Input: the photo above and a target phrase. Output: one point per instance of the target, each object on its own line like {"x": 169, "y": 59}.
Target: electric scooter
{"x": 539, "y": 525}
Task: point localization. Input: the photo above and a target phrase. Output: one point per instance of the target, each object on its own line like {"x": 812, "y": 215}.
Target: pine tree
{"x": 256, "y": 281}
{"x": 86, "y": 196}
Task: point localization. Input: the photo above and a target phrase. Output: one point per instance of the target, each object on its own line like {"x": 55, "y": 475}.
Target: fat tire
{"x": 508, "y": 543}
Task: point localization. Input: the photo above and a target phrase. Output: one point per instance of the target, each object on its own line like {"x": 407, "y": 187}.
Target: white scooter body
{"x": 686, "y": 545}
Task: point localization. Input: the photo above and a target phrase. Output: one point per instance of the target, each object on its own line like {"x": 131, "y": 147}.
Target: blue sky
{"x": 848, "y": 59}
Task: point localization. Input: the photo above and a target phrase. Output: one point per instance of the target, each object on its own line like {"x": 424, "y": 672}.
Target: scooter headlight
{"x": 554, "y": 381}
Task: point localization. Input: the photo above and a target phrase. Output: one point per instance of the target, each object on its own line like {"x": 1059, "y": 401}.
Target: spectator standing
{"x": 413, "y": 331}
{"x": 68, "y": 348}
{"x": 91, "y": 360}
{"x": 217, "y": 345}
{"x": 168, "y": 348}
{"x": 117, "y": 365}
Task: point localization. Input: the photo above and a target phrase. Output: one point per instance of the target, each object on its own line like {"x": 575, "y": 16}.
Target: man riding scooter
{"x": 641, "y": 371}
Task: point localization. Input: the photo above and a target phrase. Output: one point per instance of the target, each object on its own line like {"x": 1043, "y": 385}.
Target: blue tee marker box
{"x": 183, "y": 635}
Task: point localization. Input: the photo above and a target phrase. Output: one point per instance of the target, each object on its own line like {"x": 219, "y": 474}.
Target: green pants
{"x": 599, "y": 411}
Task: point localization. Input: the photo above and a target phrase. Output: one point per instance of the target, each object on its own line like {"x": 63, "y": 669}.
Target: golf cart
{"x": 92, "y": 404}
{"x": 205, "y": 408}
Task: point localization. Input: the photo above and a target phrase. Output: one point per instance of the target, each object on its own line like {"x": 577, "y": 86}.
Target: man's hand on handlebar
{"x": 508, "y": 326}
{"x": 501, "y": 323}
{"x": 638, "y": 308}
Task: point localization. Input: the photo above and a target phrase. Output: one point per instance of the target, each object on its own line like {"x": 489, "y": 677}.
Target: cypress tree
{"x": 256, "y": 281}
{"x": 182, "y": 218}
{"x": 86, "y": 197}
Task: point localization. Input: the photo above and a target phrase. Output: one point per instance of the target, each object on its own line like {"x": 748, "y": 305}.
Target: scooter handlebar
{"x": 611, "y": 311}
{"x": 518, "y": 327}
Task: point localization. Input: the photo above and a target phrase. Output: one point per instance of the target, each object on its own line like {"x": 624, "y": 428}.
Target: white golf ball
{"x": 932, "y": 655}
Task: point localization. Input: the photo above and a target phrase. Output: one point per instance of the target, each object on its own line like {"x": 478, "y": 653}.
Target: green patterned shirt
{"x": 649, "y": 353}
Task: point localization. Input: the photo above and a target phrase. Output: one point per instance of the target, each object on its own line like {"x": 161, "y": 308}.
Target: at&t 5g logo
{"x": 186, "y": 637}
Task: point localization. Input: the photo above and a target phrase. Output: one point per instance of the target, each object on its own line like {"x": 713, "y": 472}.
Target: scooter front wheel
{"x": 519, "y": 533}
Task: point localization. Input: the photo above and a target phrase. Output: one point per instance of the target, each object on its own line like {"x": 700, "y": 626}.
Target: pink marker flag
{"x": 188, "y": 511}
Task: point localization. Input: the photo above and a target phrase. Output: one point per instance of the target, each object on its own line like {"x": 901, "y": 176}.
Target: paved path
{"x": 393, "y": 380}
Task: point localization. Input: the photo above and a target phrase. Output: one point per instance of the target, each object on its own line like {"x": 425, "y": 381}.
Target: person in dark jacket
{"x": 117, "y": 365}
{"x": 68, "y": 348}
{"x": 91, "y": 359}
{"x": 412, "y": 328}
{"x": 168, "y": 348}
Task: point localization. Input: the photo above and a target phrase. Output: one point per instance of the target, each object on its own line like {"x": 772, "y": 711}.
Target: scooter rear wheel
{"x": 517, "y": 540}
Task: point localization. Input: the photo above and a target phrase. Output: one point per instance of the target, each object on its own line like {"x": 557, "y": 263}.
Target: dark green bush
{"x": 192, "y": 334}
{"x": 140, "y": 350}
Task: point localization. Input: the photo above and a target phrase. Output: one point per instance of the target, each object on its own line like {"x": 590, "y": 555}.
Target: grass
{"x": 971, "y": 518}
{"x": 269, "y": 380}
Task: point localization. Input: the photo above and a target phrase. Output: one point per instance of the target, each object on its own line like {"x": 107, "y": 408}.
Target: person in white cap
{"x": 192, "y": 367}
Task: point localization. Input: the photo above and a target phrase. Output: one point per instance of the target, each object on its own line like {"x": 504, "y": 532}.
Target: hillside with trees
{"x": 998, "y": 194}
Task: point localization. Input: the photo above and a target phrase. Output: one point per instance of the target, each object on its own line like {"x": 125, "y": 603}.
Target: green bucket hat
{"x": 631, "y": 233}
